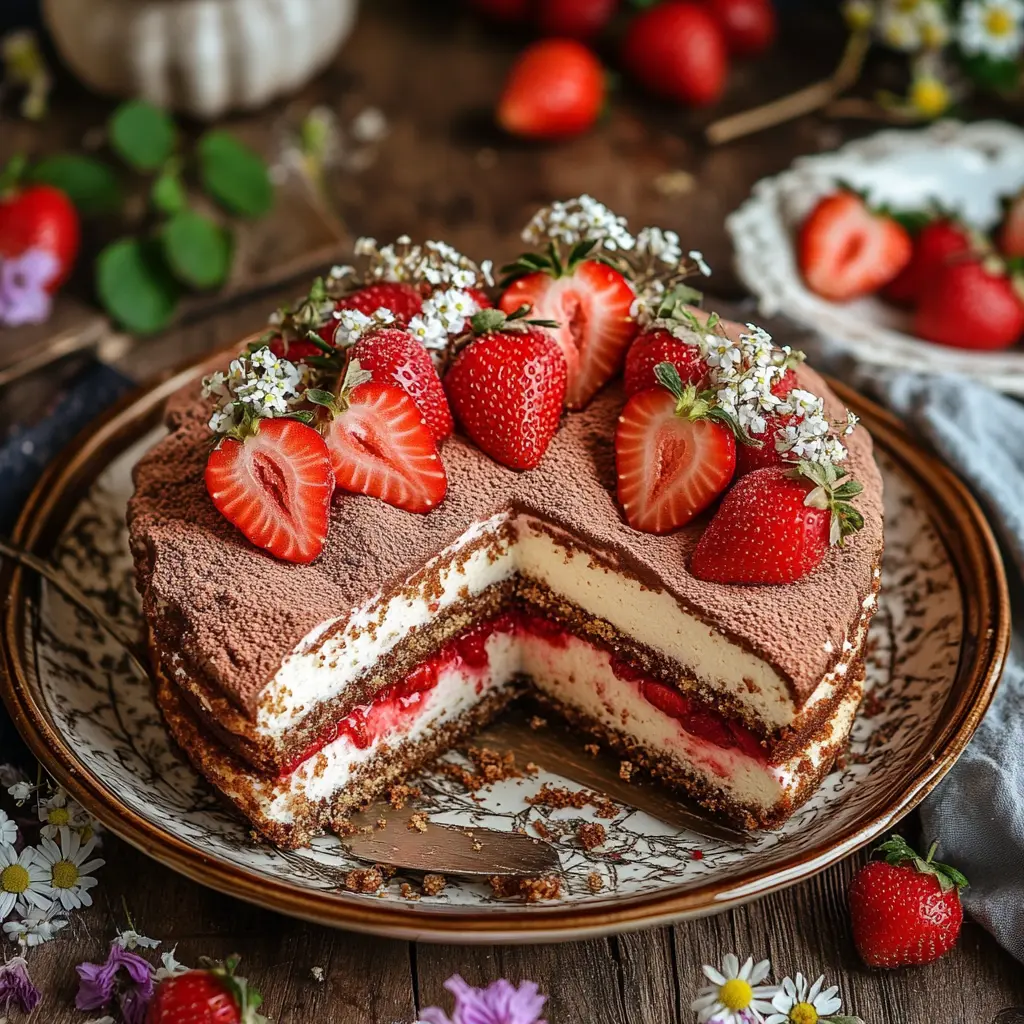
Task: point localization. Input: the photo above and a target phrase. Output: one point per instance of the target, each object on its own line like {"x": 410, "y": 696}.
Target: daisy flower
{"x": 992, "y": 28}
{"x": 8, "y": 830}
{"x": 57, "y": 811}
{"x": 735, "y": 995}
{"x": 68, "y": 869}
{"x": 37, "y": 925}
{"x": 22, "y": 879}
{"x": 797, "y": 1003}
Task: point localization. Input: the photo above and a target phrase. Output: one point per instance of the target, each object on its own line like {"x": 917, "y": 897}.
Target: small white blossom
{"x": 8, "y": 829}
{"x": 260, "y": 384}
{"x": 435, "y": 263}
{"x": 453, "y": 308}
{"x": 430, "y": 332}
{"x": 352, "y": 325}
{"x": 992, "y": 28}
{"x": 796, "y": 1002}
{"x": 21, "y": 792}
{"x": 698, "y": 258}
{"x": 36, "y": 925}
{"x": 131, "y": 939}
{"x": 660, "y": 245}
{"x": 735, "y": 994}
{"x": 169, "y": 966}
{"x": 58, "y": 810}
{"x": 577, "y": 220}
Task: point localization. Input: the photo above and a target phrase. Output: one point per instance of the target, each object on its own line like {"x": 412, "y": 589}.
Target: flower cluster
{"x": 736, "y": 993}
{"x": 352, "y": 325}
{"x": 40, "y": 884}
{"x": 437, "y": 264}
{"x": 258, "y": 384}
{"x": 578, "y": 220}
{"x": 445, "y": 313}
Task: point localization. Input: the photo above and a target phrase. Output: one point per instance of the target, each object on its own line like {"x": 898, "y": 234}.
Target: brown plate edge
{"x": 966, "y": 535}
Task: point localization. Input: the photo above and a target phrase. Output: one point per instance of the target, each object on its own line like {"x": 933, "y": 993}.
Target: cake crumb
{"x": 366, "y": 880}
{"x": 433, "y": 885}
{"x": 344, "y": 827}
{"x": 606, "y": 808}
{"x": 531, "y": 768}
{"x": 595, "y": 883}
{"x": 318, "y": 974}
{"x": 592, "y": 749}
{"x": 533, "y": 890}
{"x": 387, "y": 870}
{"x": 626, "y": 769}
{"x": 490, "y": 767}
{"x": 591, "y": 834}
{"x": 541, "y": 829}
{"x": 559, "y": 797}
{"x": 382, "y": 823}
{"x": 418, "y": 822}
{"x": 400, "y": 794}
{"x": 477, "y": 845}
{"x": 408, "y": 892}
{"x": 536, "y": 722}
{"x": 365, "y": 829}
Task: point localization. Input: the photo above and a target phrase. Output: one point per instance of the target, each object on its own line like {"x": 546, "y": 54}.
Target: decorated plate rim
{"x": 958, "y": 520}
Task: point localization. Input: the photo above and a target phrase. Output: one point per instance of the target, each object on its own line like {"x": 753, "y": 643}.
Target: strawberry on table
{"x": 905, "y": 909}
{"x": 935, "y": 247}
{"x": 973, "y": 304}
{"x": 748, "y": 25}
{"x": 379, "y": 442}
{"x": 775, "y": 525}
{"x": 846, "y": 250}
{"x": 556, "y": 88}
{"x": 674, "y": 454}
{"x": 275, "y": 484}
{"x": 1011, "y": 233}
{"x": 214, "y": 995}
{"x": 507, "y": 387}
{"x": 574, "y": 19}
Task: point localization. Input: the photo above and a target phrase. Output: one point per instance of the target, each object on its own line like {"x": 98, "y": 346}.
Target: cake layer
{"x": 686, "y": 742}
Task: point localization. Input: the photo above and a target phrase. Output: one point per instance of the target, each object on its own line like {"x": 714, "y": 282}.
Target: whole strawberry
{"x": 905, "y": 909}
{"x": 935, "y": 247}
{"x": 507, "y": 387}
{"x": 660, "y": 344}
{"x": 214, "y": 995}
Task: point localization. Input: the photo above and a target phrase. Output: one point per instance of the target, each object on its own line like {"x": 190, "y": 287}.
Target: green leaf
{"x": 319, "y": 397}
{"x": 198, "y": 251}
{"x": 143, "y": 135}
{"x": 993, "y": 74}
{"x": 135, "y": 286}
{"x": 90, "y": 184}
{"x": 234, "y": 175}
{"x": 168, "y": 193}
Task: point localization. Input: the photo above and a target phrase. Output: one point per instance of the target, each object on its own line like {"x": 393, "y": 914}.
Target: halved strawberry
{"x": 404, "y": 300}
{"x": 380, "y": 444}
{"x": 1011, "y": 234}
{"x": 659, "y": 345}
{"x": 507, "y": 388}
{"x": 590, "y": 302}
{"x": 396, "y": 357}
{"x": 775, "y": 525}
{"x": 846, "y": 250}
{"x": 672, "y": 459}
{"x": 275, "y": 486}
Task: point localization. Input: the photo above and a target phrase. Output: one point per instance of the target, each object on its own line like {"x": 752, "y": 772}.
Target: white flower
{"x": 659, "y": 244}
{"x": 859, "y": 14}
{"x": 21, "y": 792}
{"x": 452, "y": 308}
{"x": 57, "y": 810}
{"x": 899, "y": 28}
{"x": 430, "y": 331}
{"x": 993, "y": 28}
{"x": 698, "y": 258}
{"x": 796, "y": 1003}
{"x": 735, "y": 995}
{"x": 23, "y": 879}
{"x": 577, "y": 220}
{"x": 8, "y": 830}
{"x": 258, "y": 384}
{"x": 68, "y": 869}
{"x": 437, "y": 263}
{"x": 352, "y": 324}
{"x": 131, "y": 939}
{"x": 169, "y": 966}
{"x": 37, "y": 925}
{"x": 933, "y": 25}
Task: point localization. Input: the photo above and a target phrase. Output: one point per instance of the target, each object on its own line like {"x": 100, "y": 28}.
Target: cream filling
{"x": 312, "y": 674}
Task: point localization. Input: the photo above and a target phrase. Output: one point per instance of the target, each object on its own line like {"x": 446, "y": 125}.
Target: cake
{"x": 303, "y": 688}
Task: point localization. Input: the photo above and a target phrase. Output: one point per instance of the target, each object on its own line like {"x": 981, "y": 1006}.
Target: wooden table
{"x": 445, "y": 172}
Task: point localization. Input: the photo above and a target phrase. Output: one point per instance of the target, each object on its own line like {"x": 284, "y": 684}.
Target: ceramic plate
{"x": 966, "y": 168}
{"x": 936, "y": 649}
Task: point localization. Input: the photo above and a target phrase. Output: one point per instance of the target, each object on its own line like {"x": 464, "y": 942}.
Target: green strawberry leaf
{"x": 234, "y": 175}
{"x": 896, "y": 851}
{"x": 197, "y": 250}
{"x": 142, "y": 135}
{"x": 168, "y": 193}
{"x": 319, "y": 397}
{"x": 135, "y": 286}
{"x": 89, "y": 183}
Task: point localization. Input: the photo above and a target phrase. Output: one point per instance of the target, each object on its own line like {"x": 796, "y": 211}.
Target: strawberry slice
{"x": 380, "y": 444}
{"x": 847, "y": 251}
{"x": 672, "y": 459}
{"x": 658, "y": 345}
{"x": 396, "y": 357}
{"x": 404, "y": 300}
{"x": 667, "y": 699}
{"x": 507, "y": 388}
{"x": 591, "y": 303}
{"x": 276, "y": 487}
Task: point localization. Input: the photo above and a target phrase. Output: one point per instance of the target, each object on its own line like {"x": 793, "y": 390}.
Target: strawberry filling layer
{"x": 395, "y": 707}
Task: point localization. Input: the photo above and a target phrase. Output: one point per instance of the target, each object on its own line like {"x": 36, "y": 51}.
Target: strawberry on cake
{"x": 410, "y": 501}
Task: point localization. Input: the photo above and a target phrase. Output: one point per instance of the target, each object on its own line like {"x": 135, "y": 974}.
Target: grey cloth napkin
{"x": 977, "y": 812}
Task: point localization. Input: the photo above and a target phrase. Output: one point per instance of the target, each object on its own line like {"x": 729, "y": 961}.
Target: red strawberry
{"x": 275, "y": 486}
{"x": 380, "y": 444}
{"x": 556, "y": 88}
{"x": 396, "y": 357}
{"x": 507, "y": 388}
{"x": 775, "y": 525}
{"x": 659, "y": 345}
{"x": 748, "y": 25}
{"x": 40, "y": 217}
{"x": 294, "y": 350}
{"x": 503, "y": 10}
{"x": 782, "y": 387}
{"x": 1011, "y": 234}
{"x": 590, "y": 303}
{"x": 213, "y": 996}
{"x": 905, "y": 909}
{"x": 677, "y": 50}
{"x": 574, "y": 19}
{"x": 667, "y": 699}
{"x": 934, "y": 246}
{"x": 404, "y": 300}
{"x": 847, "y": 251}
{"x": 672, "y": 460}
{"x": 969, "y": 305}
{"x": 750, "y": 457}
{"x": 480, "y": 297}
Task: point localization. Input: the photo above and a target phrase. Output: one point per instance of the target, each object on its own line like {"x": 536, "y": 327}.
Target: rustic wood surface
{"x": 444, "y": 172}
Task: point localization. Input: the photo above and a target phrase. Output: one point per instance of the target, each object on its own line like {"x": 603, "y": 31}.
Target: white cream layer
{"x": 654, "y": 618}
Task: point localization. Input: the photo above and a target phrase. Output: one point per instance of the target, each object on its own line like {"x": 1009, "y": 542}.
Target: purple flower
{"x": 99, "y": 984}
{"x": 500, "y": 1003}
{"x": 16, "y": 988}
{"x": 23, "y": 280}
